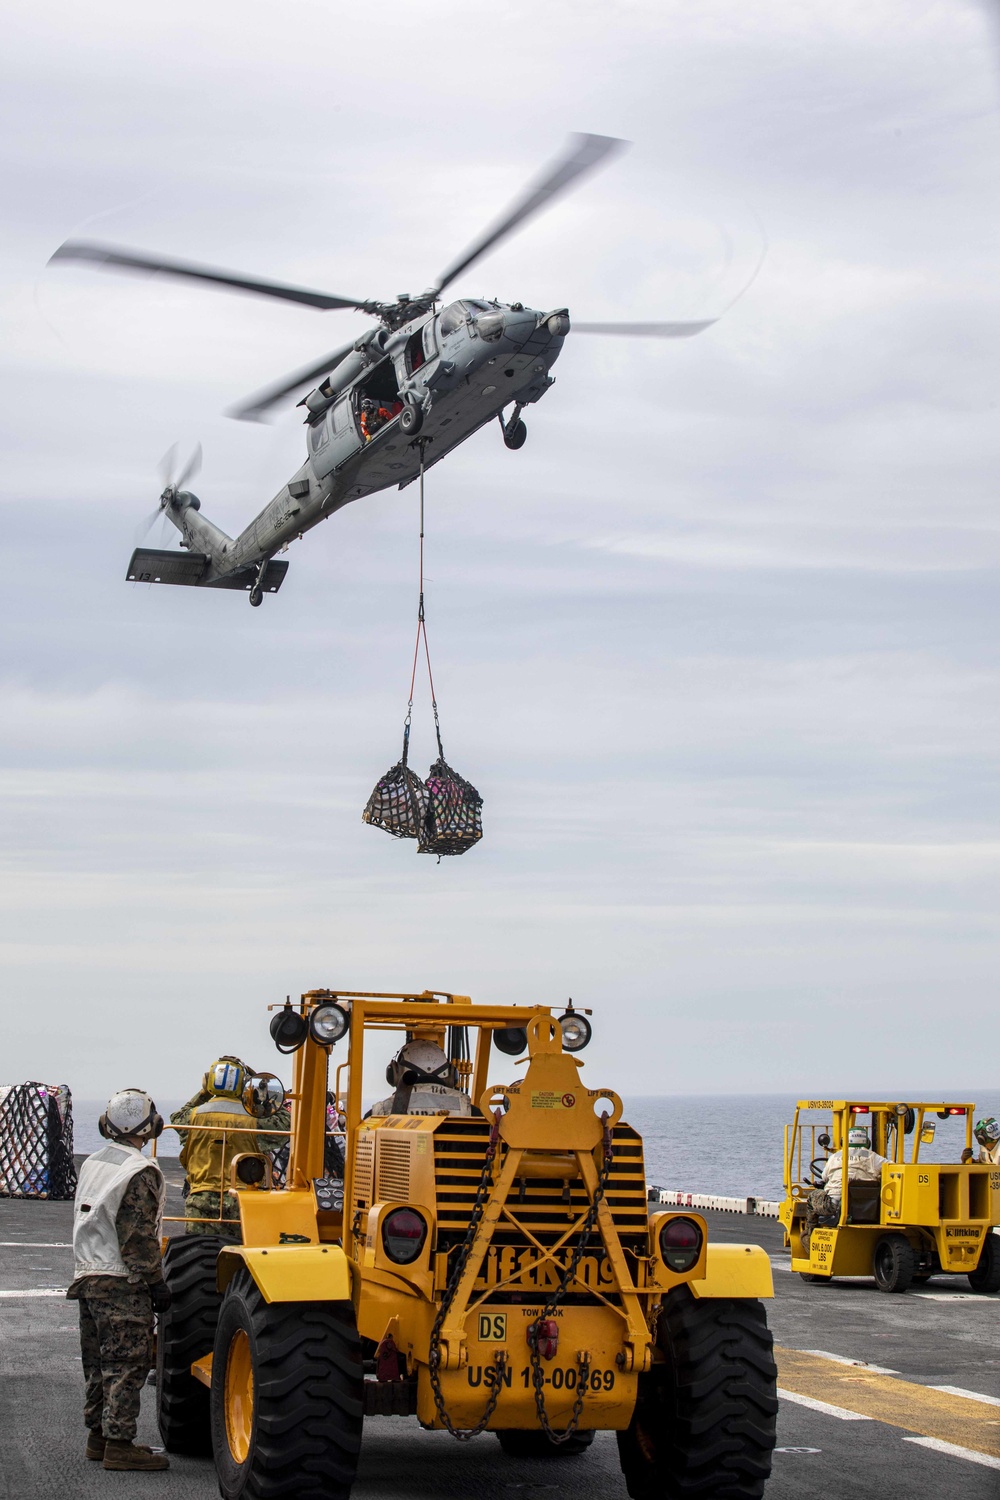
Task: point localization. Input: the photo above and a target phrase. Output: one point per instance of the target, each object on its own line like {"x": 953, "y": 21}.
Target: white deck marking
{"x": 35, "y": 1245}
{"x": 954, "y": 1451}
{"x": 39, "y": 1291}
{"x": 860, "y": 1364}
{"x": 822, "y": 1406}
{"x": 956, "y": 1297}
{"x": 956, "y": 1390}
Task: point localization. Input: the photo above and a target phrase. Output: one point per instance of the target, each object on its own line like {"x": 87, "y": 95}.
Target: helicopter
{"x": 390, "y": 404}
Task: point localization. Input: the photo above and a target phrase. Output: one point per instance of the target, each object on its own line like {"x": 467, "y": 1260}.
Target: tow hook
{"x": 543, "y": 1335}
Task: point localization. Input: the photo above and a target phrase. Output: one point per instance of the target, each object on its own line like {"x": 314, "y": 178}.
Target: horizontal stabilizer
{"x": 150, "y": 565}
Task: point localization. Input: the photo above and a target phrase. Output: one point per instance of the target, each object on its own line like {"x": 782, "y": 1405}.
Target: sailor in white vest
{"x": 118, "y": 1278}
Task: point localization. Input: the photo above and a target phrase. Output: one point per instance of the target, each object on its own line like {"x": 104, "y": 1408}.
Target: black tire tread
{"x": 704, "y": 1426}
{"x": 985, "y": 1279}
{"x": 309, "y": 1398}
{"x": 186, "y": 1333}
{"x": 903, "y": 1264}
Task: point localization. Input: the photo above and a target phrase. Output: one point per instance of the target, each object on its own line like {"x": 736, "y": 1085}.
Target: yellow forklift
{"x": 486, "y": 1263}
{"x": 911, "y": 1219}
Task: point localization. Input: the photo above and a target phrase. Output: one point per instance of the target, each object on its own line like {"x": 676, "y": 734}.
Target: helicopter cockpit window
{"x": 460, "y": 312}
{"x": 453, "y": 317}
{"x": 319, "y": 434}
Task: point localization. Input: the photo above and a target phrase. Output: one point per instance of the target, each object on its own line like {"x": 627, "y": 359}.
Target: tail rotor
{"x": 173, "y": 485}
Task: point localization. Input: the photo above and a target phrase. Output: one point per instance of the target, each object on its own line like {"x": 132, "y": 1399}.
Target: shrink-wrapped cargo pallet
{"x": 36, "y": 1141}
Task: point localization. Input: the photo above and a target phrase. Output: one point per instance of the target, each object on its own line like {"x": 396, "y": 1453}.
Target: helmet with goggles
{"x": 420, "y": 1062}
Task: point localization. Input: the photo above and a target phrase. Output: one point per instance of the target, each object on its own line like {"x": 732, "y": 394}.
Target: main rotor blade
{"x": 253, "y": 409}
{"x": 582, "y": 155}
{"x": 125, "y": 260}
{"x": 647, "y": 330}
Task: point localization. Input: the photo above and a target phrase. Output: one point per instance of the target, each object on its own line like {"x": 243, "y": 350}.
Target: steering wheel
{"x": 815, "y": 1179}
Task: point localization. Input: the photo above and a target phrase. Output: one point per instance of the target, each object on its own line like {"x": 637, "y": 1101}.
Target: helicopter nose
{"x": 557, "y": 323}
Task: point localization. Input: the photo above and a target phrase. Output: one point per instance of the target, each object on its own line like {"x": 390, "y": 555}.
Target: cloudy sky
{"x": 719, "y": 645}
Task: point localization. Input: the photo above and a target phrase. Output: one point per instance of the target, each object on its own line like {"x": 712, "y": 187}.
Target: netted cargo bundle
{"x": 36, "y": 1141}
{"x": 399, "y": 803}
{"x": 454, "y": 819}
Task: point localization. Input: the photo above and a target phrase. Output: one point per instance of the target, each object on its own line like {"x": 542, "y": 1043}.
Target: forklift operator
{"x": 424, "y": 1081}
{"x": 863, "y": 1165}
{"x": 987, "y": 1133}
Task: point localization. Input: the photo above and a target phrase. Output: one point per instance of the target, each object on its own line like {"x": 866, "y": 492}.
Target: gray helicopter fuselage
{"x": 459, "y": 367}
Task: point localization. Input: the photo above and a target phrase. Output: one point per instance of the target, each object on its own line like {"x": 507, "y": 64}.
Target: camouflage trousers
{"x": 206, "y": 1206}
{"x": 116, "y": 1346}
{"x": 821, "y": 1209}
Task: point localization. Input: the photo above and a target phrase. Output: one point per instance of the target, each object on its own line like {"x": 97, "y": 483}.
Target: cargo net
{"x": 399, "y": 802}
{"x": 454, "y": 820}
{"x": 444, "y": 813}
{"x": 36, "y": 1141}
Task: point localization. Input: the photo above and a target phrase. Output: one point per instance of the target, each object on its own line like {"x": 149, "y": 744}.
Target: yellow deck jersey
{"x": 207, "y": 1151}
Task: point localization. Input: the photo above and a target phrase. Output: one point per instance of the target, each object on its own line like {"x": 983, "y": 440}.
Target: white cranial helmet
{"x": 130, "y": 1112}
{"x": 419, "y": 1062}
{"x": 858, "y": 1136}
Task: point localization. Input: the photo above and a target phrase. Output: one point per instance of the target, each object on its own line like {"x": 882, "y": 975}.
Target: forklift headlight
{"x": 328, "y": 1023}
{"x": 576, "y": 1031}
{"x": 680, "y": 1244}
{"x": 403, "y": 1235}
{"x": 511, "y": 1040}
{"x": 288, "y": 1029}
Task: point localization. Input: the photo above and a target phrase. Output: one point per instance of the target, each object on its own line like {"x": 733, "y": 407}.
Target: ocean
{"x": 703, "y": 1143}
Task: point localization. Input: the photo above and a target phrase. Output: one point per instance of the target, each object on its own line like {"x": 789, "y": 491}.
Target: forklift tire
{"x": 186, "y": 1332}
{"x": 894, "y": 1263}
{"x": 528, "y": 1442}
{"x": 704, "y": 1421}
{"x": 814, "y": 1279}
{"x": 986, "y": 1276}
{"x": 287, "y": 1397}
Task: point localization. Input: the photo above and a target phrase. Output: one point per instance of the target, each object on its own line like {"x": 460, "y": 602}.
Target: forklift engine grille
{"x": 542, "y": 1210}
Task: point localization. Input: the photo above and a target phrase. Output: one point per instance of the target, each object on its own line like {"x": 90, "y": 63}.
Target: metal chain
{"x": 464, "y": 1435}
{"x": 583, "y": 1360}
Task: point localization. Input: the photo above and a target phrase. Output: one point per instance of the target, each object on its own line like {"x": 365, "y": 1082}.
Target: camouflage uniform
{"x": 206, "y": 1206}
{"x": 116, "y": 1316}
{"x": 821, "y": 1209}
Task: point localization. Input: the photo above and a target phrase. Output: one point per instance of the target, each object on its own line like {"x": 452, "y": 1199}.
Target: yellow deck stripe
{"x": 901, "y": 1403}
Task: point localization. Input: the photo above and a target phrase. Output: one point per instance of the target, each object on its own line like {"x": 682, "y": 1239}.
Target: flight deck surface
{"x": 881, "y": 1394}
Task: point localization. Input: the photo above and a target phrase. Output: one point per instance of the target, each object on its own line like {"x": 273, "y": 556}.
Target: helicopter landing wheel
{"x": 411, "y": 418}
{"x": 516, "y": 435}
{"x": 256, "y": 596}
